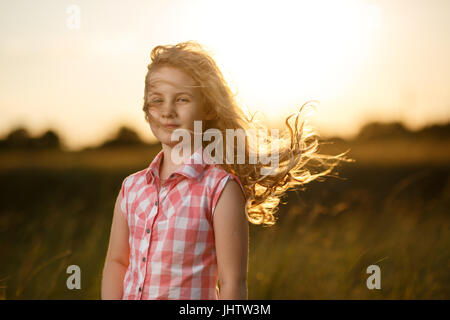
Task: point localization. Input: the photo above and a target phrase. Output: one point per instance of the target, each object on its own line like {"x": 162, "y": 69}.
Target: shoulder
{"x": 135, "y": 178}
{"x": 129, "y": 188}
{"x": 230, "y": 198}
{"x": 232, "y": 190}
{"x": 227, "y": 178}
{"x": 225, "y": 186}
{"x": 211, "y": 176}
{"x": 216, "y": 172}
{"x": 215, "y": 177}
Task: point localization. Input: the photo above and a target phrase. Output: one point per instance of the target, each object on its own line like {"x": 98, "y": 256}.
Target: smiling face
{"x": 173, "y": 102}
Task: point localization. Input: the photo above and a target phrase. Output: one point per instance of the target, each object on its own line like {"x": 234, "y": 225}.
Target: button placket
{"x": 144, "y": 267}
{"x": 171, "y": 182}
{"x": 146, "y": 238}
{"x": 165, "y": 190}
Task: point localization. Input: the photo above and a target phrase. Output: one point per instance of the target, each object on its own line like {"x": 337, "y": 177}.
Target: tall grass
{"x": 320, "y": 248}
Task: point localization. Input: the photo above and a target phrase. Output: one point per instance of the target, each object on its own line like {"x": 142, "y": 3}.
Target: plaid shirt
{"x": 171, "y": 235}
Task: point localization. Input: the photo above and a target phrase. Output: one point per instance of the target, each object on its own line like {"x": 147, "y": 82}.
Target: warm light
{"x": 280, "y": 54}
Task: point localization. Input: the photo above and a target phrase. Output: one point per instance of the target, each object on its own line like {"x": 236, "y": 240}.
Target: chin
{"x": 164, "y": 137}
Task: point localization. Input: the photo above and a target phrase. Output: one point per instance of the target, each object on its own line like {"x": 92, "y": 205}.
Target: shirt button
{"x": 140, "y": 289}
{"x": 143, "y": 259}
{"x": 148, "y": 230}
{"x": 156, "y": 202}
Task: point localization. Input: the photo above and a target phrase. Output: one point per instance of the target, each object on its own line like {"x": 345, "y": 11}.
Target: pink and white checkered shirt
{"x": 171, "y": 235}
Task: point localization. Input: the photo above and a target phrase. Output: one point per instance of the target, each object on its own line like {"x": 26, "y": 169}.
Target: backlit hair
{"x": 297, "y": 146}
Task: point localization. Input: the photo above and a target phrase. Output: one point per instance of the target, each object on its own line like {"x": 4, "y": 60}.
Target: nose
{"x": 168, "y": 110}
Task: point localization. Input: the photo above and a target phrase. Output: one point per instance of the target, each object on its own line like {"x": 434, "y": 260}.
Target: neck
{"x": 168, "y": 165}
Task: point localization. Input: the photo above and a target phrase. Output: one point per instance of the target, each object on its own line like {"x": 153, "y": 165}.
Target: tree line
{"x": 20, "y": 138}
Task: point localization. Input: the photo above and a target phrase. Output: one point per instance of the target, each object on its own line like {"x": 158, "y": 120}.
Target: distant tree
{"x": 18, "y": 139}
{"x": 48, "y": 140}
{"x": 435, "y": 131}
{"x": 125, "y": 137}
{"x": 378, "y": 130}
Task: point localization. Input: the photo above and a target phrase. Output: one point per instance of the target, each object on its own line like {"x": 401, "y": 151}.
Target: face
{"x": 173, "y": 103}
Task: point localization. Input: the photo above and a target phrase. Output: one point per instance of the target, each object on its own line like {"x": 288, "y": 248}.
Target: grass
{"x": 327, "y": 235}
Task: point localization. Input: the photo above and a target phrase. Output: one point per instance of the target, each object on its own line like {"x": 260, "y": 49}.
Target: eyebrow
{"x": 177, "y": 93}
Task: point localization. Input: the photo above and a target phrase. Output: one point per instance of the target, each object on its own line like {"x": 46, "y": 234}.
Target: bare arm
{"x": 231, "y": 233}
{"x": 116, "y": 262}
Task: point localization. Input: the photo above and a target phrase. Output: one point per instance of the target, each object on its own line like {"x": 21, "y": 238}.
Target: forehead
{"x": 169, "y": 79}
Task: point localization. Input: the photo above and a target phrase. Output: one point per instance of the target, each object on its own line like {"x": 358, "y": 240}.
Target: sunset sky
{"x": 363, "y": 60}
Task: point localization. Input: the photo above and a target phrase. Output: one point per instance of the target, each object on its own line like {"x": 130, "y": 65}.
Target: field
{"x": 389, "y": 208}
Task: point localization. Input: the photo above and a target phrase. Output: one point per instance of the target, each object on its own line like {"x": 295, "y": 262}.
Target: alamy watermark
{"x": 374, "y": 281}
{"x": 265, "y": 157}
{"x": 73, "y": 20}
{"x": 74, "y": 280}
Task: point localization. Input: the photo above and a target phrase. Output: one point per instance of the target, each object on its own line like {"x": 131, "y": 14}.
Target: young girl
{"x": 179, "y": 231}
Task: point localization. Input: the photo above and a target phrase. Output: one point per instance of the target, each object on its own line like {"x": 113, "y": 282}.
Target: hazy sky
{"x": 363, "y": 60}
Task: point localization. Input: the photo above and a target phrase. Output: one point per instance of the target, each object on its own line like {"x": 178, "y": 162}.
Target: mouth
{"x": 171, "y": 126}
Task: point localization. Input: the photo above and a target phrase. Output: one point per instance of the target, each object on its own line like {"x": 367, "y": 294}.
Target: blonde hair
{"x": 295, "y": 149}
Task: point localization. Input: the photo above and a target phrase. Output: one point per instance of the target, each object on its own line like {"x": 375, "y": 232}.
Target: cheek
{"x": 154, "y": 113}
{"x": 191, "y": 114}
{"x": 155, "y": 129}
{"x": 161, "y": 134}
{"x": 184, "y": 115}
{"x": 154, "y": 123}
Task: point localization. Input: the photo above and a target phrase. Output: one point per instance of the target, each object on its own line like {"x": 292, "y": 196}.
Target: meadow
{"x": 388, "y": 208}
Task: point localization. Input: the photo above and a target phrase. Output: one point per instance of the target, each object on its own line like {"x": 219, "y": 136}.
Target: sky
{"x": 78, "y": 67}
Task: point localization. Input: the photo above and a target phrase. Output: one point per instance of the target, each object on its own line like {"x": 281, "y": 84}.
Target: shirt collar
{"x": 190, "y": 168}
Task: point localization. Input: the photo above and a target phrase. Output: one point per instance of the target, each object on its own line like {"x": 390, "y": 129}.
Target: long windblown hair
{"x": 295, "y": 147}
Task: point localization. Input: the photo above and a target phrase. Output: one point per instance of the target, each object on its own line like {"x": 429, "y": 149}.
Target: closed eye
{"x": 180, "y": 99}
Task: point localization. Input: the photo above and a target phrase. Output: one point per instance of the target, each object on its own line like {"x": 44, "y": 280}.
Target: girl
{"x": 180, "y": 231}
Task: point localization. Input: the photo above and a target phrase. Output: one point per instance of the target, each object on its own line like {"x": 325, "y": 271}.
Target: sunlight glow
{"x": 280, "y": 54}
